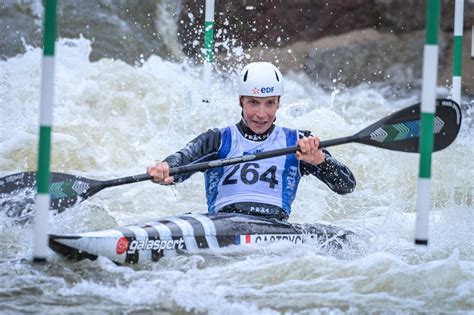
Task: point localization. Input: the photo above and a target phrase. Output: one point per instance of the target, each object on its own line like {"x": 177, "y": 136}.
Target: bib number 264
{"x": 249, "y": 175}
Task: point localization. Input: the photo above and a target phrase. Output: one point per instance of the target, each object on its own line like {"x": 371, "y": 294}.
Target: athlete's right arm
{"x": 204, "y": 147}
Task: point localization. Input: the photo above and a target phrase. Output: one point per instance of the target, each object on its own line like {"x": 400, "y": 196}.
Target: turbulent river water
{"x": 112, "y": 119}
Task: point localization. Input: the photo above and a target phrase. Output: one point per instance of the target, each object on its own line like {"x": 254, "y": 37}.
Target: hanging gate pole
{"x": 208, "y": 49}
{"x": 457, "y": 53}
{"x": 45, "y": 119}
{"x": 428, "y": 107}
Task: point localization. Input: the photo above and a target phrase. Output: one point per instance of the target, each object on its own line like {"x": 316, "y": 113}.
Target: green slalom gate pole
{"x": 457, "y": 53}
{"x": 428, "y": 107}
{"x": 208, "y": 49}
{"x": 46, "y": 118}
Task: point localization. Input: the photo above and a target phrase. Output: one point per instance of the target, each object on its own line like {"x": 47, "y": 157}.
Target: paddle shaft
{"x": 224, "y": 162}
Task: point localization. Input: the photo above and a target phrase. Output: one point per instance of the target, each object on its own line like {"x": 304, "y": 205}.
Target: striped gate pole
{"x": 208, "y": 49}
{"x": 472, "y": 40}
{"x": 428, "y": 108}
{"x": 457, "y": 53}
{"x": 45, "y": 119}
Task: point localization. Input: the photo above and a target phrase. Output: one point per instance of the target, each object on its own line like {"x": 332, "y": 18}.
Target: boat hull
{"x": 189, "y": 233}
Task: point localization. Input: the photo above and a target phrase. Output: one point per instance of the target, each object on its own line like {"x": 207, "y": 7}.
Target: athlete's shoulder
{"x": 226, "y": 128}
{"x": 286, "y": 129}
{"x": 207, "y": 141}
{"x": 214, "y": 133}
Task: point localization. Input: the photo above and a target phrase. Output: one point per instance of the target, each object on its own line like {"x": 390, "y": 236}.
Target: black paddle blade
{"x": 17, "y": 192}
{"x": 401, "y": 130}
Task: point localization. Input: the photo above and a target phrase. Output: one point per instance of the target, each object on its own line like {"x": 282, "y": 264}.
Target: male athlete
{"x": 266, "y": 187}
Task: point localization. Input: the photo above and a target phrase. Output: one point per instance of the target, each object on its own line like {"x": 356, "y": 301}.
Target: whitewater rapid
{"x": 112, "y": 119}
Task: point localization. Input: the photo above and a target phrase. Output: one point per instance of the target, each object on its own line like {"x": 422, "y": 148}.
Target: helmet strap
{"x": 240, "y": 102}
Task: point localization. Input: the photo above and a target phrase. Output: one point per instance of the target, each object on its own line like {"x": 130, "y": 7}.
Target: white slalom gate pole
{"x": 472, "y": 41}
{"x": 428, "y": 108}
{"x": 46, "y": 119}
{"x": 457, "y": 53}
{"x": 208, "y": 49}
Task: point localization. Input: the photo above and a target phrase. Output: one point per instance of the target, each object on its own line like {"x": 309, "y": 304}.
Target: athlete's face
{"x": 259, "y": 112}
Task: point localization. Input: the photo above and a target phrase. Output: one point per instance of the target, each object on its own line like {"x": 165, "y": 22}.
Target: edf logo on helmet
{"x": 260, "y": 79}
{"x": 264, "y": 90}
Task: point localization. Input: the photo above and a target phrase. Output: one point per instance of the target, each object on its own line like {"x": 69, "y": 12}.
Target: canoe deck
{"x": 189, "y": 233}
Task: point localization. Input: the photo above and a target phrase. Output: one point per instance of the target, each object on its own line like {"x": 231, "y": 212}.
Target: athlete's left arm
{"x": 333, "y": 173}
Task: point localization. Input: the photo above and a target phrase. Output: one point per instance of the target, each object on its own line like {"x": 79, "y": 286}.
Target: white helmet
{"x": 260, "y": 79}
